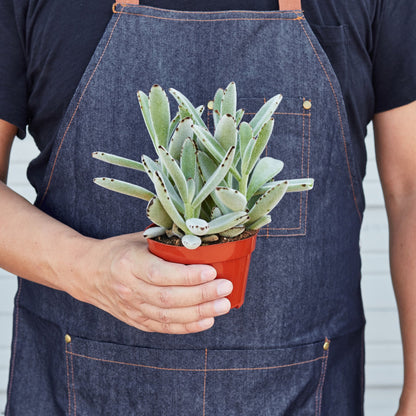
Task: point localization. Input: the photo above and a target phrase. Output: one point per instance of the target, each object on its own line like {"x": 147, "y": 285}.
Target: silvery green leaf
{"x": 153, "y": 232}
{"x": 191, "y": 242}
{"x": 215, "y": 213}
{"x": 144, "y": 107}
{"x": 265, "y": 113}
{"x": 157, "y": 214}
{"x": 233, "y": 232}
{"x": 216, "y": 177}
{"x": 227, "y": 221}
{"x": 266, "y": 169}
{"x": 188, "y": 158}
{"x": 175, "y": 172}
{"x": 190, "y": 183}
{"x": 216, "y": 112}
{"x": 183, "y": 131}
{"x": 260, "y": 145}
{"x": 166, "y": 201}
{"x": 246, "y": 134}
{"x": 200, "y": 109}
{"x": 124, "y": 188}
{"x": 229, "y": 100}
{"x": 261, "y": 222}
{"x": 267, "y": 202}
{"x": 214, "y": 148}
{"x": 231, "y": 198}
{"x": 197, "y": 226}
{"x": 174, "y": 124}
{"x": 245, "y": 160}
{"x": 118, "y": 161}
{"x": 226, "y": 132}
{"x": 239, "y": 116}
{"x": 160, "y": 113}
{"x": 294, "y": 185}
{"x": 183, "y": 101}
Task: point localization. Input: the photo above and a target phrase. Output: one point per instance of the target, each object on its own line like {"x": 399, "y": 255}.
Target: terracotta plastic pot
{"x": 231, "y": 261}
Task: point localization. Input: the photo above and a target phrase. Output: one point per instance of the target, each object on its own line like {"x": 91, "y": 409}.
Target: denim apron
{"x": 296, "y": 345}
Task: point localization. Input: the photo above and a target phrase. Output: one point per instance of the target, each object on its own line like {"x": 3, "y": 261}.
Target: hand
{"x": 144, "y": 291}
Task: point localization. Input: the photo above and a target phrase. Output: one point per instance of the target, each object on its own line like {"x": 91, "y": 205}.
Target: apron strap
{"x": 290, "y": 5}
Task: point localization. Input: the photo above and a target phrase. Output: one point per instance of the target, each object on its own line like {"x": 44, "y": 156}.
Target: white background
{"x": 384, "y": 358}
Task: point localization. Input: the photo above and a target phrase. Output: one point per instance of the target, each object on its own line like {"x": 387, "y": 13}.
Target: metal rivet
{"x": 68, "y": 338}
{"x": 210, "y": 105}
{"x": 326, "y": 346}
{"x": 307, "y": 105}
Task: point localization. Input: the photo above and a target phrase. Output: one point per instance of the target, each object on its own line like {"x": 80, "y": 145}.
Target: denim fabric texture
{"x": 267, "y": 358}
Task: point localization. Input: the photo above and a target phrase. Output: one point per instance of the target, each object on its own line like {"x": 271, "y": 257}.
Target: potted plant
{"x": 213, "y": 191}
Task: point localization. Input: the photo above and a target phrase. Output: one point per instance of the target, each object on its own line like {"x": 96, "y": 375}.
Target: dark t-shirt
{"x": 45, "y": 45}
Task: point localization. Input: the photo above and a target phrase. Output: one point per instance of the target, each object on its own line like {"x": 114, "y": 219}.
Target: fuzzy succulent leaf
{"x": 229, "y": 100}
{"x": 245, "y": 135}
{"x": 118, "y": 161}
{"x": 267, "y": 202}
{"x": 175, "y": 172}
{"x": 174, "y": 124}
{"x": 294, "y": 185}
{"x": 231, "y": 198}
{"x": 145, "y": 109}
{"x": 166, "y": 201}
{"x": 245, "y": 159}
{"x": 197, "y": 226}
{"x": 239, "y": 116}
{"x": 260, "y": 144}
{"x": 216, "y": 112}
{"x": 233, "y": 232}
{"x": 261, "y": 222}
{"x": 183, "y": 101}
{"x": 157, "y": 214}
{"x": 265, "y": 113}
{"x": 200, "y": 109}
{"x": 191, "y": 242}
{"x": 160, "y": 113}
{"x": 227, "y": 221}
{"x": 153, "y": 232}
{"x": 182, "y": 132}
{"x": 226, "y": 132}
{"x": 215, "y": 178}
{"x": 190, "y": 185}
{"x": 125, "y": 188}
{"x": 215, "y": 213}
{"x": 188, "y": 158}
{"x": 266, "y": 169}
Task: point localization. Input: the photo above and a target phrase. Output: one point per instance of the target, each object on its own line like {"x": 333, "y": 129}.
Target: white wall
{"x": 384, "y": 360}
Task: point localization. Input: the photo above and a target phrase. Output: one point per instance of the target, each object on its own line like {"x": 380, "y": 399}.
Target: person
{"x": 101, "y": 326}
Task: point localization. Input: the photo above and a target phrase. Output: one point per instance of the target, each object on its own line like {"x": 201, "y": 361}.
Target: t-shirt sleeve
{"x": 13, "y": 92}
{"x": 394, "y": 57}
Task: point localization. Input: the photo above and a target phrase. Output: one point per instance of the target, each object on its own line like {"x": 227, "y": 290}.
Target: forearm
{"x": 37, "y": 247}
{"x": 402, "y": 220}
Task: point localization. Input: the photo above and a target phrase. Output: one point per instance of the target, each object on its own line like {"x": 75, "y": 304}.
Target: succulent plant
{"x": 206, "y": 184}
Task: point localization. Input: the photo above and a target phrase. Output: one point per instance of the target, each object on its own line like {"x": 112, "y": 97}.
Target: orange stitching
{"x": 198, "y": 370}
{"x": 16, "y": 331}
{"x": 283, "y": 235}
{"x": 205, "y": 381}
{"x": 73, "y": 386}
{"x": 340, "y": 120}
{"x": 213, "y": 12}
{"x": 207, "y": 20}
{"x": 67, "y": 381}
{"x": 75, "y": 111}
{"x": 323, "y": 379}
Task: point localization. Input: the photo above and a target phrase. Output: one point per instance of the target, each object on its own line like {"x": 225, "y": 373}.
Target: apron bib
{"x": 295, "y": 347}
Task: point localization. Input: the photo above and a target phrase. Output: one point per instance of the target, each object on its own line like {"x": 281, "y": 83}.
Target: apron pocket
{"x": 111, "y": 379}
{"x": 290, "y": 142}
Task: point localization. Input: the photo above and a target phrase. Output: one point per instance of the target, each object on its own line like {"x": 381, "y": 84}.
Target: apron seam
{"x": 76, "y": 110}
{"x": 340, "y": 120}
{"x": 205, "y": 383}
{"x": 319, "y": 389}
{"x": 68, "y": 384}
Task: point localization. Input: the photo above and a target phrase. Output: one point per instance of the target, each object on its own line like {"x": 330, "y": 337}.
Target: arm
{"x": 118, "y": 275}
{"x": 395, "y": 134}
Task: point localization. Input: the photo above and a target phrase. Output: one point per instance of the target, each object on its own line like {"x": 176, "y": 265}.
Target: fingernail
{"x": 206, "y": 323}
{"x": 222, "y": 305}
{"x": 208, "y": 275}
{"x": 225, "y": 288}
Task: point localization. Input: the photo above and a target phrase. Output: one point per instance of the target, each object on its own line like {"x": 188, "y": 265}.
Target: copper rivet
{"x": 210, "y": 105}
{"x": 307, "y": 105}
{"x": 326, "y": 346}
{"x": 67, "y": 338}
